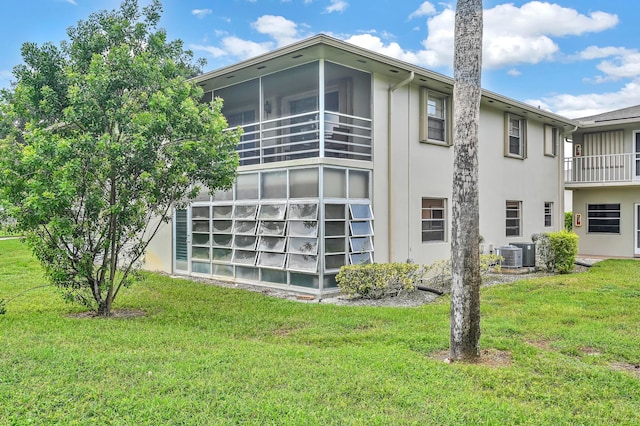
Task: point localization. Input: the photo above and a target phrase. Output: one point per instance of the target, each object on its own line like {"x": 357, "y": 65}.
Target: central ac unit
{"x": 511, "y": 255}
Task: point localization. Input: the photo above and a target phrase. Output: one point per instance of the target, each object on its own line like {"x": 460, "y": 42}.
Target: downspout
{"x": 392, "y": 89}
{"x": 560, "y": 214}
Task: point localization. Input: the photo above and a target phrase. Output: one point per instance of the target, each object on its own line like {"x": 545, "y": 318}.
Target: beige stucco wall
{"x": 618, "y": 245}
{"x": 425, "y": 170}
{"x": 159, "y": 254}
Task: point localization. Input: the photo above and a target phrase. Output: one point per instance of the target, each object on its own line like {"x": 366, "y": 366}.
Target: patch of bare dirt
{"x": 116, "y": 313}
{"x": 544, "y": 345}
{"x": 634, "y": 369}
{"x": 488, "y": 357}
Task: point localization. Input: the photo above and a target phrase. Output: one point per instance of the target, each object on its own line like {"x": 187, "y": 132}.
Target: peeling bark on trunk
{"x": 465, "y": 256}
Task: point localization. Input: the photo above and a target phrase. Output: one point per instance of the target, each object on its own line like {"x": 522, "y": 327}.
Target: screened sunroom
{"x": 299, "y": 209}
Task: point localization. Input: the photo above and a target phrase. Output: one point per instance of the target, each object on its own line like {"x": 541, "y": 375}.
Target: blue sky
{"x": 573, "y": 57}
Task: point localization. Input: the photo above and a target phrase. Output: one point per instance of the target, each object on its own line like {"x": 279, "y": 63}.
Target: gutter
{"x": 392, "y": 89}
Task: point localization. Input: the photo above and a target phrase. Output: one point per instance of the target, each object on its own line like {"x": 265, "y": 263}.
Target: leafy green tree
{"x": 106, "y": 135}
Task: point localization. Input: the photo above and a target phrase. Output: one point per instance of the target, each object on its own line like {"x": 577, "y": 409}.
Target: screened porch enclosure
{"x": 319, "y": 109}
{"x": 286, "y": 227}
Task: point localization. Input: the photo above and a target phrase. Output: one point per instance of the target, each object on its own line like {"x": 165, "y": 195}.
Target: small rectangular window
{"x": 515, "y": 136}
{"x": 433, "y": 220}
{"x": 434, "y": 113}
{"x": 548, "y": 214}
{"x": 551, "y": 140}
{"x": 513, "y": 221}
{"x": 603, "y": 218}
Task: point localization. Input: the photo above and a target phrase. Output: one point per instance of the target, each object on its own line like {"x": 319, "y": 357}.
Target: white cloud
{"x": 514, "y": 72}
{"x": 216, "y": 52}
{"x": 425, "y": 9}
{"x": 282, "y": 30}
{"x": 73, "y": 2}
{"x": 576, "y": 106}
{"x": 595, "y": 52}
{"x": 201, "y": 13}
{"x": 245, "y": 49}
{"x": 337, "y": 6}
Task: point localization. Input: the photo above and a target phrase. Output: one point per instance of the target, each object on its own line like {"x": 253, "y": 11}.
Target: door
{"x": 182, "y": 240}
{"x": 636, "y": 228}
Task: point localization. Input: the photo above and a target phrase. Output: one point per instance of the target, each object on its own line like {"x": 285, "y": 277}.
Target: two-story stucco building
{"x": 347, "y": 158}
{"x": 603, "y": 174}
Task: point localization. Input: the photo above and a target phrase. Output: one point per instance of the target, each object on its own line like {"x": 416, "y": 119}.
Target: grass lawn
{"x": 209, "y": 355}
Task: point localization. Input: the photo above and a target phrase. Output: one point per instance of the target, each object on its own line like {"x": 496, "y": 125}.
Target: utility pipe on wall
{"x": 392, "y": 89}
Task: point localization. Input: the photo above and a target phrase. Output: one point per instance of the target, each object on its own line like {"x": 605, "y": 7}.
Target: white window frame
{"x": 431, "y": 219}
{"x": 513, "y": 206}
{"x": 551, "y": 140}
{"x": 522, "y": 136}
{"x": 427, "y": 95}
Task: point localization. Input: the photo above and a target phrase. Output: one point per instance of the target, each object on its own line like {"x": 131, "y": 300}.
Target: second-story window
{"x": 515, "y": 136}
{"x": 434, "y": 117}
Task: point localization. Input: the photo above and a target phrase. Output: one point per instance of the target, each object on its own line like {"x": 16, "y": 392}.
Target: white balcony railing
{"x": 611, "y": 168}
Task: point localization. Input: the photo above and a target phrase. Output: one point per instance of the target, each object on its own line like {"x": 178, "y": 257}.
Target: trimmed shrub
{"x": 568, "y": 221}
{"x": 377, "y": 280}
{"x": 565, "y": 248}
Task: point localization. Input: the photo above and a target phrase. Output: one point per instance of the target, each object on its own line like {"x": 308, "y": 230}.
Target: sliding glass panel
{"x": 244, "y": 242}
{"x": 303, "y": 262}
{"x": 222, "y": 226}
{"x": 222, "y": 212}
{"x": 272, "y": 260}
{"x": 271, "y": 228}
{"x": 272, "y": 211}
{"x": 245, "y": 211}
{"x": 244, "y": 227}
{"x": 303, "y": 211}
{"x": 221, "y": 254}
{"x": 222, "y": 240}
{"x": 244, "y": 257}
{"x": 303, "y": 245}
{"x": 303, "y": 228}
{"x": 272, "y": 244}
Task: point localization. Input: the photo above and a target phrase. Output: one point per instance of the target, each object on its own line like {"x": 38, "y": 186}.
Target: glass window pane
{"x": 360, "y": 258}
{"x": 335, "y": 183}
{"x": 274, "y": 184}
{"x": 222, "y": 212}
{"x": 305, "y": 280}
{"x": 200, "y": 239}
{"x": 281, "y": 87}
{"x": 247, "y": 273}
{"x": 274, "y": 276}
{"x": 272, "y": 211}
{"x": 200, "y": 267}
{"x": 303, "y": 262}
{"x": 334, "y": 211}
{"x": 222, "y": 195}
{"x": 245, "y": 257}
{"x": 271, "y": 228}
{"x": 242, "y": 211}
{"x": 222, "y": 226}
{"x": 221, "y": 254}
{"x": 272, "y": 260}
{"x": 303, "y": 183}
{"x": 360, "y": 228}
{"x": 360, "y": 211}
{"x": 223, "y": 270}
{"x": 222, "y": 240}
{"x": 334, "y": 229}
{"x": 244, "y": 242}
{"x": 200, "y": 212}
{"x": 303, "y": 245}
{"x": 274, "y": 244}
{"x": 303, "y": 211}
{"x": 247, "y": 186}
{"x": 335, "y": 245}
{"x": 358, "y": 184}
{"x": 303, "y": 228}
{"x": 201, "y": 253}
{"x": 200, "y": 226}
{"x": 361, "y": 244}
{"x": 247, "y": 227}
{"x": 334, "y": 261}
{"x": 347, "y": 81}
{"x": 203, "y": 195}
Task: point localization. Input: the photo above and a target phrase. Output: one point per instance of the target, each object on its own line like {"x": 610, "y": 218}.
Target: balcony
{"x": 299, "y": 136}
{"x": 598, "y": 170}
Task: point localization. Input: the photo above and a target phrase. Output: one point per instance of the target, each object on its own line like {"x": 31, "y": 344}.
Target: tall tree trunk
{"x": 465, "y": 255}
